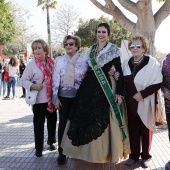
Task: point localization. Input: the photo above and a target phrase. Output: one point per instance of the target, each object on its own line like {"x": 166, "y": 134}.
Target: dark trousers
{"x": 40, "y": 113}
{"x": 63, "y": 117}
{"x": 140, "y": 135}
{"x": 23, "y": 90}
{"x": 167, "y": 109}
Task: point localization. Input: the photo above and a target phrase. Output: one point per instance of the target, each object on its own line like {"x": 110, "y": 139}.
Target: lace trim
{"x": 107, "y": 54}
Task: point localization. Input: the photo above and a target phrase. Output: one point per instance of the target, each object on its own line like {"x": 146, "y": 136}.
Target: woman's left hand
{"x": 138, "y": 97}
{"x": 111, "y": 72}
{"x": 118, "y": 100}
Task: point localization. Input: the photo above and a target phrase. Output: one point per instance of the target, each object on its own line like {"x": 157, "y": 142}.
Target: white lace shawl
{"x": 107, "y": 54}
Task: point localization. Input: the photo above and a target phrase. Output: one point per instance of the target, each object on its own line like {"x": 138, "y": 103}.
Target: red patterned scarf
{"x": 47, "y": 71}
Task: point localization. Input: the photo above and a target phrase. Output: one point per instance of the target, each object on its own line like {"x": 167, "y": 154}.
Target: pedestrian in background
{"x": 38, "y": 76}
{"x": 0, "y": 75}
{"x": 4, "y": 83}
{"x": 13, "y": 75}
{"x": 21, "y": 70}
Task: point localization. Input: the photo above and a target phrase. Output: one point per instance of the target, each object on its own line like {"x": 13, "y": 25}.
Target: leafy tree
{"x": 7, "y": 25}
{"x": 147, "y": 22}
{"x": 64, "y": 21}
{"x": 86, "y": 30}
{"x": 19, "y": 43}
{"x": 23, "y": 34}
{"x": 48, "y": 4}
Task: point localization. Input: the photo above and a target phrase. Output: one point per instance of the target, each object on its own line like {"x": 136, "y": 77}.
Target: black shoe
{"x": 130, "y": 162}
{"x": 6, "y": 98}
{"x": 145, "y": 163}
{"x": 52, "y": 147}
{"x": 23, "y": 96}
{"x": 61, "y": 159}
{"x": 38, "y": 154}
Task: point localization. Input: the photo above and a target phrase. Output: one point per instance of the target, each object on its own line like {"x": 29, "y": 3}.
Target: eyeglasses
{"x": 132, "y": 46}
{"x": 69, "y": 43}
{"x": 101, "y": 32}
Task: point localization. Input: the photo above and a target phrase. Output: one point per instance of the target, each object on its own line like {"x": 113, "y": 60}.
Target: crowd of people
{"x": 106, "y": 110}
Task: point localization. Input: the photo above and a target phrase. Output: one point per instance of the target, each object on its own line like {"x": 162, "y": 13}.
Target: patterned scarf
{"x": 166, "y": 65}
{"x": 68, "y": 80}
{"x": 47, "y": 71}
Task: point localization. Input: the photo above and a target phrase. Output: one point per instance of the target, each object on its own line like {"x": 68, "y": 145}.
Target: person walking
{"x": 13, "y": 74}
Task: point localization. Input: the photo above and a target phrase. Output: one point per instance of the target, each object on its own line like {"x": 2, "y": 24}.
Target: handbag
{"x": 31, "y": 96}
{"x": 6, "y": 76}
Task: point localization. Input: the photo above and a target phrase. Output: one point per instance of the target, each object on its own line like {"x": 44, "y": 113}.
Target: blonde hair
{"x": 144, "y": 40}
{"x": 43, "y": 43}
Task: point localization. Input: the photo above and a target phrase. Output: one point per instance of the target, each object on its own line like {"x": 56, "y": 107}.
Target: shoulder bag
{"x": 31, "y": 96}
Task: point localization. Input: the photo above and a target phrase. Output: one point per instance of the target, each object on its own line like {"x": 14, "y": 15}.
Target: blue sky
{"x": 88, "y": 10}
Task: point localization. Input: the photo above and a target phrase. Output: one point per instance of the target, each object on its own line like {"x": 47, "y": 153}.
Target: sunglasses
{"x": 69, "y": 43}
{"x": 101, "y": 32}
{"x": 132, "y": 46}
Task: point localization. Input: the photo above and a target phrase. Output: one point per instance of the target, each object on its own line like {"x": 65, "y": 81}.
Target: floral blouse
{"x": 60, "y": 66}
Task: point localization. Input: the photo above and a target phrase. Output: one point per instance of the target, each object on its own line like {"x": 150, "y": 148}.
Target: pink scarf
{"x": 47, "y": 71}
{"x": 68, "y": 80}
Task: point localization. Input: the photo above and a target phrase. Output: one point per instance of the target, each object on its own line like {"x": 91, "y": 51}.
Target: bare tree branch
{"x": 162, "y": 13}
{"x": 129, "y": 5}
{"x": 113, "y": 10}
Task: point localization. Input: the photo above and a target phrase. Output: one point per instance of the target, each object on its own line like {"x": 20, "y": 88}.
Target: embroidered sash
{"x": 107, "y": 90}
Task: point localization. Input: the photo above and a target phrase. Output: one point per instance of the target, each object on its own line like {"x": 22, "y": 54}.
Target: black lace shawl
{"x": 89, "y": 116}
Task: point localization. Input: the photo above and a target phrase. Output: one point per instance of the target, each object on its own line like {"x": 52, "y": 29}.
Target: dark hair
{"x": 15, "y": 63}
{"x": 75, "y": 38}
{"x": 104, "y": 25}
{"x": 22, "y": 62}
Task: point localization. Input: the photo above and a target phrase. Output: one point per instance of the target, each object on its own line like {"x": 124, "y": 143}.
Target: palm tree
{"x": 48, "y": 4}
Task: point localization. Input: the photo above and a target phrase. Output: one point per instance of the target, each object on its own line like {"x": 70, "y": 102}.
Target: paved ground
{"x": 17, "y": 144}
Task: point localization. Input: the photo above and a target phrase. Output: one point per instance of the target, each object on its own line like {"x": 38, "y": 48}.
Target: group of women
{"x": 90, "y": 99}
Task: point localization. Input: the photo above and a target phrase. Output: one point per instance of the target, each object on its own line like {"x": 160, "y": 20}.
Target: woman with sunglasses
{"x": 69, "y": 71}
{"x": 143, "y": 79}
{"x": 93, "y": 133}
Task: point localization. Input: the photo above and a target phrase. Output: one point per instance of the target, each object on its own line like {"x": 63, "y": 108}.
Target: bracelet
{"x": 119, "y": 95}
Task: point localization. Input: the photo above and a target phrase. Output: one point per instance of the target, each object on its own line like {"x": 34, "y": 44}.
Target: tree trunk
{"x": 147, "y": 22}
{"x": 49, "y": 31}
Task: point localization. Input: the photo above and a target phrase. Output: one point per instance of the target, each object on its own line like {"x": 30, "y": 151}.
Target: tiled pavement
{"x": 17, "y": 144}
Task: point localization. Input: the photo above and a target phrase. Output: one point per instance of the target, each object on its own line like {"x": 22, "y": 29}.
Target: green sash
{"x": 107, "y": 90}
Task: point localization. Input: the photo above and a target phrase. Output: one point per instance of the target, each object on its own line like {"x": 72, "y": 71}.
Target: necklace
{"x": 138, "y": 61}
{"x": 97, "y": 48}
